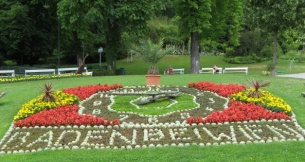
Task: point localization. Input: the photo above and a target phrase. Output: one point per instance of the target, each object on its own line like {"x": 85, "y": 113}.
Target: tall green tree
{"x": 105, "y": 21}
{"x": 24, "y": 31}
{"x": 216, "y": 20}
{"x": 277, "y": 16}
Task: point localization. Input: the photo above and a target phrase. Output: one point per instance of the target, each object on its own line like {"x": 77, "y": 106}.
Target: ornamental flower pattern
{"x": 216, "y": 121}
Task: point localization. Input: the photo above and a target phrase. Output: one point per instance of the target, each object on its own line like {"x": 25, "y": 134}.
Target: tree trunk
{"x": 113, "y": 45}
{"x": 301, "y": 55}
{"x": 81, "y": 64}
{"x": 274, "y": 53}
{"x": 195, "y": 58}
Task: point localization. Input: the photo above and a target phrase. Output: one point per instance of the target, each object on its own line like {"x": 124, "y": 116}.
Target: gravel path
{"x": 299, "y": 75}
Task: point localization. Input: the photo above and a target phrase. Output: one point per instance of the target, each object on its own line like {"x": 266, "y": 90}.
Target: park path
{"x": 299, "y": 75}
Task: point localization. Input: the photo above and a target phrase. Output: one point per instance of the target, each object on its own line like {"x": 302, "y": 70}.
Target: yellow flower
{"x": 37, "y": 105}
{"x": 267, "y": 100}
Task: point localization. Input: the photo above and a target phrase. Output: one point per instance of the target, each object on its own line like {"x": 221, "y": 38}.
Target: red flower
{"x": 63, "y": 115}
{"x": 239, "y": 111}
{"x": 222, "y": 90}
{"x": 84, "y": 92}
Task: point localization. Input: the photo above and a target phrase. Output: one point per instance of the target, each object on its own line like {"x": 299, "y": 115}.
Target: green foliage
{"x": 267, "y": 51}
{"x": 251, "y": 43}
{"x": 99, "y": 71}
{"x": 107, "y": 27}
{"x": 217, "y": 21}
{"x": 163, "y": 27}
{"x": 151, "y": 52}
{"x": 278, "y": 16}
{"x": 244, "y": 59}
{"x": 22, "y": 39}
{"x": 10, "y": 62}
{"x": 195, "y": 15}
{"x": 269, "y": 67}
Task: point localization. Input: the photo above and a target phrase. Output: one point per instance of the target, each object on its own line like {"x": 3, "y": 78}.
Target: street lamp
{"x": 100, "y": 50}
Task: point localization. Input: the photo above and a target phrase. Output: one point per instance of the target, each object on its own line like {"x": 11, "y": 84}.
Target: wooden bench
{"x": 11, "y": 72}
{"x": 72, "y": 71}
{"x": 210, "y": 70}
{"x": 176, "y": 71}
{"x": 39, "y": 72}
{"x": 236, "y": 69}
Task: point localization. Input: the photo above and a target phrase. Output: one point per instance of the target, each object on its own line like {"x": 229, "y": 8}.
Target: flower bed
{"x": 102, "y": 120}
{"x": 267, "y": 100}
{"x": 41, "y": 77}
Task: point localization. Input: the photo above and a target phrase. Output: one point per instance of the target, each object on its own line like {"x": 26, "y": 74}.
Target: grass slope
{"x": 183, "y": 61}
{"x": 287, "y": 88}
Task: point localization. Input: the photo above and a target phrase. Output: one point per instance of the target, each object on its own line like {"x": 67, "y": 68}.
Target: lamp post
{"x": 100, "y": 50}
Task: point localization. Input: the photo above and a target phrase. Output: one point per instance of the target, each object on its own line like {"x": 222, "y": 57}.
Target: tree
{"x": 24, "y": 31}
{"x": 209, "y": 20}
{"x": 105, "y": 21}
{"x": 278, "y": 16}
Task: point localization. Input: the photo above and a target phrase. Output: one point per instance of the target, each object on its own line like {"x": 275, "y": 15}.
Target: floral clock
{"x": 112, "y": 117}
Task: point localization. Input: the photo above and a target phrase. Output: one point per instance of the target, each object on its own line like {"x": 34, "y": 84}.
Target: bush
{"x": 251, "y": 42}
{"x": 10, "y": 63}
{"x": 267, "y": 51}
{"x": 244, "y": 59}
{"x": 102, "y": 72}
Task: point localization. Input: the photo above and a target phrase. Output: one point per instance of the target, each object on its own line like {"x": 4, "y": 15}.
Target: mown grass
{"x": 183, "y": 61}
{"x": 287, "y": 88}
{"x": 158, "y": 108}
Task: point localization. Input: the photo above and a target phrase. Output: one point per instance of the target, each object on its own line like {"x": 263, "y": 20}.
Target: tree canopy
{"x": 24, "y": 31}
{"x": 109, "y": 19}
{"x": 209, "y": 20}
{"x": 277, "y": 16}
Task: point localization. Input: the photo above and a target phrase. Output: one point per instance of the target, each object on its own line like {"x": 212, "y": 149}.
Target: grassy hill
{"x": 183, "y": 61}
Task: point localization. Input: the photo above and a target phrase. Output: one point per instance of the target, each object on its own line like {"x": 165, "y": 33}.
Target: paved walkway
{"x": 300, "y": 75}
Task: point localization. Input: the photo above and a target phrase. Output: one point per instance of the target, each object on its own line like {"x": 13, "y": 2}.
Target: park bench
{"x": 72, "y": 71}
{"x": 39, "y": 72}
{"x": 176, "y": 71}
{"x": 236, "y": 69}
{"x": 209, "y": 70}
{"x": 5, "y": 72}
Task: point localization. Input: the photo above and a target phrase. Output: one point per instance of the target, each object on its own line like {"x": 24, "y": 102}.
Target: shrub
{"x": 47, "y": 91}
{"x": 256, "y": 85}
{"x": 244, "y": 59}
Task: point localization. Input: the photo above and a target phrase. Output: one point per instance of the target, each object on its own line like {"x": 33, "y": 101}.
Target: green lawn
{"x": 287, "y": 88}
{"x": 178, "y": 61}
